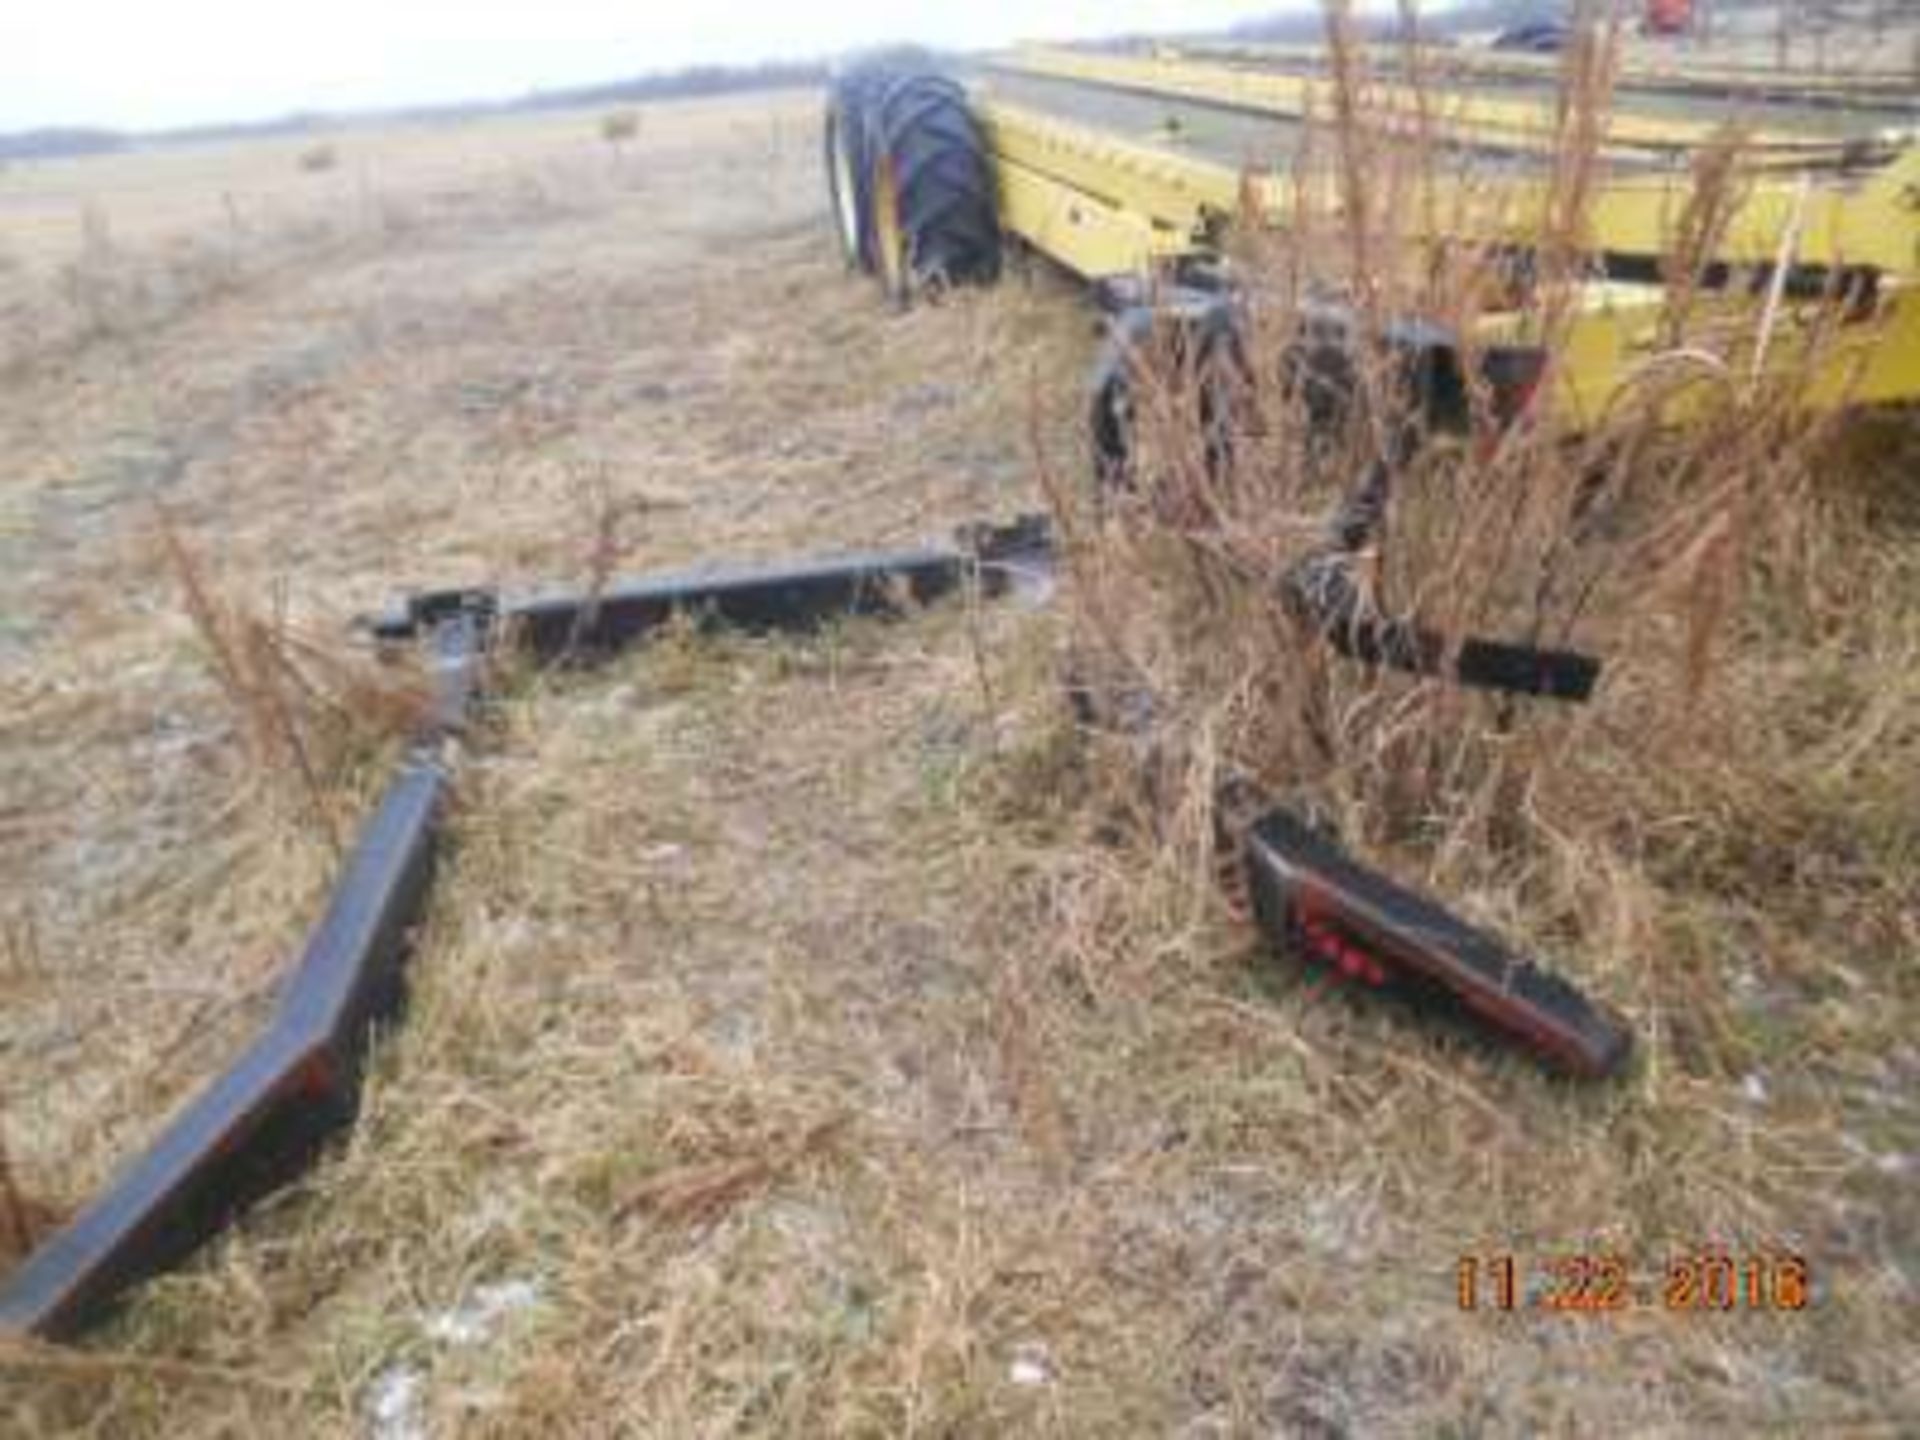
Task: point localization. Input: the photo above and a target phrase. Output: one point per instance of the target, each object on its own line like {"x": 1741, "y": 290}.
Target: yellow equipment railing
{"x": 1470, "y": 121}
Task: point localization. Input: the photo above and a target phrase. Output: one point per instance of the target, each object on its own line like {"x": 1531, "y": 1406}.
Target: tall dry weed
{"x": 1688, "y": 536}
{"x": 308, "y": 715}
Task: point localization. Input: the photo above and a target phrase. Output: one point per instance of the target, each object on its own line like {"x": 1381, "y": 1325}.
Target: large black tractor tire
{"x": 848, "y": 147}
{"x": 936, "y": 220}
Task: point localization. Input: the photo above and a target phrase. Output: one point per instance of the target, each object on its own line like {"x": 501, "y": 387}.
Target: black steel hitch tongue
{"x": 260, "y": 1122}
{"x": 266, "y": 1117}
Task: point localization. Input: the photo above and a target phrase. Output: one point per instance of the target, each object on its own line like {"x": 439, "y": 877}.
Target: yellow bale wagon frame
{"x": 1815, "y": 216}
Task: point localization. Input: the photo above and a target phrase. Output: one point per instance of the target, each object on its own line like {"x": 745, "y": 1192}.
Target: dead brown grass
{"x": 824, "y": 1037}
{"x": 1678, "y": 845}
{"x": 108, "y": 288}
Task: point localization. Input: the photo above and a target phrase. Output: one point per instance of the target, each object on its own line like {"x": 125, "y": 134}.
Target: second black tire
{"x": 936, "y": 220}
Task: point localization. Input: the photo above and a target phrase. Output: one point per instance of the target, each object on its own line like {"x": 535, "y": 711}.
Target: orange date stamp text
{"x": 1597, "y": 1283}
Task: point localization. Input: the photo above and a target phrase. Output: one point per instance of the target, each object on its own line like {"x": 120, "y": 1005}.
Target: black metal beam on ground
{"x": 257, "y": 1125}
{"x": 1312, "y": 898}
{"x": 263, "y": 1119}
{"x": 755, "y": 599}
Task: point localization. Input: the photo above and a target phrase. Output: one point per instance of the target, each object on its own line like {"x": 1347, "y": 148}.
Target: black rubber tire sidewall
{"x": 948, "y": 210}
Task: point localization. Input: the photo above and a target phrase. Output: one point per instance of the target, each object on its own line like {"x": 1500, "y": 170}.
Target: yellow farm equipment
{"x": 1776, "y": 259}
{"x": 1130, "y": 170}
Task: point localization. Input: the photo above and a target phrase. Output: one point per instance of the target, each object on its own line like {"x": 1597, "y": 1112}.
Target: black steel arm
{"x": 787, "y": 596}
{"x": 1312, "y": 898}
{"x": 263, "y": 1119}
{"x": 1322, "y": 592}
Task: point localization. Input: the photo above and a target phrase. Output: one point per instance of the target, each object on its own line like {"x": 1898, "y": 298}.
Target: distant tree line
{"x": 697, "y": 80}
{"x": 51, "y": 143}
{"x": 694, "y": 81}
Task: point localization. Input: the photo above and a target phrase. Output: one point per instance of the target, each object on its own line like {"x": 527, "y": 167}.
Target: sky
{"x": 150, "y": 64}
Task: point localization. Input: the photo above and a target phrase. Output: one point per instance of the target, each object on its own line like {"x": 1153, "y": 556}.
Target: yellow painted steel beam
{"x": 1874, "y": 224}
{"x": 1617, "y": 351}
{"x": 1522, "y": 126}
{"x": 1090, "y": 236}
{"x": 1887, "y": 363}
{"x": 1170, "y": 190}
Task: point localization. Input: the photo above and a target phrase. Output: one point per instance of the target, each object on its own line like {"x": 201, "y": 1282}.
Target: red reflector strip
{"x": 1331, "y": 948}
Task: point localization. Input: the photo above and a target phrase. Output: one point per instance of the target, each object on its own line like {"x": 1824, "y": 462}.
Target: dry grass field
{"x": 797, "y": 1045}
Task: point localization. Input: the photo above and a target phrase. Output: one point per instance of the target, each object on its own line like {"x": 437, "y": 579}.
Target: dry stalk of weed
{"x": 609, "y": 541}
{"x": 700, "y": 1194}
{"x": 19, "y": 1225}
{"x": 308, "y": 715}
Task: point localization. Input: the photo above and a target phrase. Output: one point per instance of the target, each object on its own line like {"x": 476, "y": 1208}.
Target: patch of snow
{"x": 394, "y": 1405}
{"x": 1030, "y": 1366}
{"x": 480, "y": 1314}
